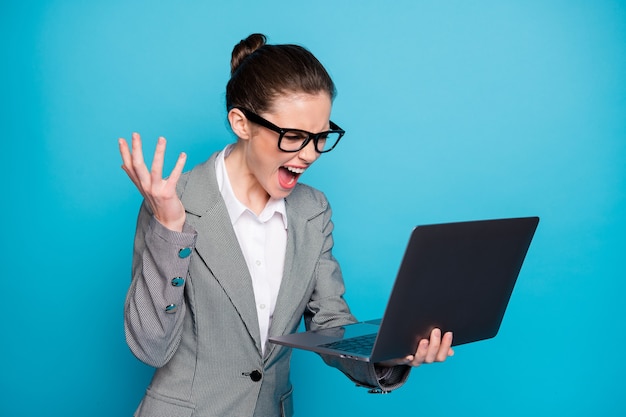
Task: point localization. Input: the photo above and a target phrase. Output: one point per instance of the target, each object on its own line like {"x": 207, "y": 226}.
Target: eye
{"x": 295, "y": 135}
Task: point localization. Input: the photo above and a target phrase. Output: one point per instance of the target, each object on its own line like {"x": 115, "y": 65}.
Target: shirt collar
{"x": 235, "y": 207}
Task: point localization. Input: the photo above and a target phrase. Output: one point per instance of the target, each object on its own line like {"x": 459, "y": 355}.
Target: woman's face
{"x": 277, "y": 172}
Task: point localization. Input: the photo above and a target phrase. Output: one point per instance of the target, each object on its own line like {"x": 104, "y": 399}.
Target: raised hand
{"x": 159, "y": 192}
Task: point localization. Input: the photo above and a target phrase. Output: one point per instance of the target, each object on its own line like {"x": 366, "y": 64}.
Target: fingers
{"x": 435, "y": 349}
{"x": 134, "y": 165}
{"x": 156, "y": 171}
{"x": 178, "y": 168}
{"x": 139, "y": 166}
{"x": 422, "y": 351}
{"x": 131, "y": 161}
{"x": 433, "y": 346}
{"x": 445, "y": 350}
{"x": 125, "y": 153}
{"x": 127, "y": 163}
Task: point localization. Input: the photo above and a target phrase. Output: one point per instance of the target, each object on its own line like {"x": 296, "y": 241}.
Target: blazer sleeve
{"x": 327, "y": 308}
{"x": 155, "y": 303}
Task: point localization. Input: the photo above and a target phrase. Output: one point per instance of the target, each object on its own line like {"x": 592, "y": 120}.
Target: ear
{"x": 239, "y": 124}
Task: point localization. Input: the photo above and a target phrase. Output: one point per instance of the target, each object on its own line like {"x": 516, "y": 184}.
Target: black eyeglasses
{"x": 293, "y": 140}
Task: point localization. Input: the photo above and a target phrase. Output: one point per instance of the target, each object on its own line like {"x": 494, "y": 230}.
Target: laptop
{"x": 454, "y": 276}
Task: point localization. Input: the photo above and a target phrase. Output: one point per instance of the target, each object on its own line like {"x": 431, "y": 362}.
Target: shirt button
{"x": 258, "y": 263}
{"x": 178, "y": 281}
{"x": 262, "y": 306}
{"x": 184, "y": 252}
{"x": 171, "y": 308}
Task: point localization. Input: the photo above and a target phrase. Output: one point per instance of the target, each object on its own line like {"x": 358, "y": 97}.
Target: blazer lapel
{"x": 302, "y": 253}
{"x": 217, "y": 244}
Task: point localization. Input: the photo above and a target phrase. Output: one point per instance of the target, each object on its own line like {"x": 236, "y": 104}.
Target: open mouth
{"x": 288, "y": 176}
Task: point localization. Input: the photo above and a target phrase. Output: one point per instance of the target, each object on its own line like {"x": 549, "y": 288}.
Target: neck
{"x": 246, "y": 187}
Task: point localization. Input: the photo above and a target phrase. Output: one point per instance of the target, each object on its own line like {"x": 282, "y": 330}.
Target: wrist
{"x": 175, "y": 226}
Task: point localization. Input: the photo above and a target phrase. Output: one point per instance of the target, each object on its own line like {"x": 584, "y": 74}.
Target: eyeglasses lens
{"x": 294, "y": 140}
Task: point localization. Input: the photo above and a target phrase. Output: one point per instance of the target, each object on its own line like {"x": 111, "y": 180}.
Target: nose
{"x": 308, "y": 154}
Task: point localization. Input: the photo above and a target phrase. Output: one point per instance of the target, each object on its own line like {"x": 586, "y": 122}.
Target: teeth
{"x": 295, "y": 170}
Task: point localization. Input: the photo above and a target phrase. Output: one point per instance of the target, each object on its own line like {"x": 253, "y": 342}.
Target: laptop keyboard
{"x": 361, "y": 344}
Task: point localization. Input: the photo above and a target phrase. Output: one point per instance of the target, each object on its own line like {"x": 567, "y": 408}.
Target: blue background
{"x": 454, "y": 110}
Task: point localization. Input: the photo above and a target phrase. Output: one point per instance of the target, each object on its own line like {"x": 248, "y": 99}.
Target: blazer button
{"x": 178, "y": 281}
{"x": 184, "y": 252}
{"x": 255, "y": 376}
{"x": 171, "y": 308}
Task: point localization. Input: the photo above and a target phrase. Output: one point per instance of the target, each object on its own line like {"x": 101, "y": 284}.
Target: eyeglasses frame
{"x": 255, "y": 118}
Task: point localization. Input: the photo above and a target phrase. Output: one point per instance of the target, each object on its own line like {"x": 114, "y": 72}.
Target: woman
{"x": 237, "y": 250}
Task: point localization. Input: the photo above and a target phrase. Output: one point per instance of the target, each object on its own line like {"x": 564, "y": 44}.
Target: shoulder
{"x": 307, "y": 200}
{"x": 204, "y": 170}
{"x": 198, "y": 189}
{"x": 306, "y": 193}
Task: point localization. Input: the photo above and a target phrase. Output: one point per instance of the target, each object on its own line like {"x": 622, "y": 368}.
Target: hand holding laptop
{"x": 435, "y": 349}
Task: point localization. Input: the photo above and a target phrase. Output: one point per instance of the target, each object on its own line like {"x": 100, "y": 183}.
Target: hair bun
{"x": 244, "y": 48}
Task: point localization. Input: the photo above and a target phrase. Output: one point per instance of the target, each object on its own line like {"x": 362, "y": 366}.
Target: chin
{"x": 281, "y": 193}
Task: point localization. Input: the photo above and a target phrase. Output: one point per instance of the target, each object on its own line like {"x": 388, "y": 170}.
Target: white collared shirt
{"x": 263, "y": 241}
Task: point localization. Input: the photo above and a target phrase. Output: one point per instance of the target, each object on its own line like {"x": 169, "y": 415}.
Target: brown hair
{"x": 261, "y": 72}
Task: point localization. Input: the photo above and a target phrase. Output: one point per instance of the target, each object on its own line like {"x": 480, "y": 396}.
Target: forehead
{"x": 301, "y": 111}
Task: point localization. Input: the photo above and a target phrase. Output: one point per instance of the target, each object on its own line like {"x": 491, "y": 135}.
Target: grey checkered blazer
{"x": 190, "y": 309}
